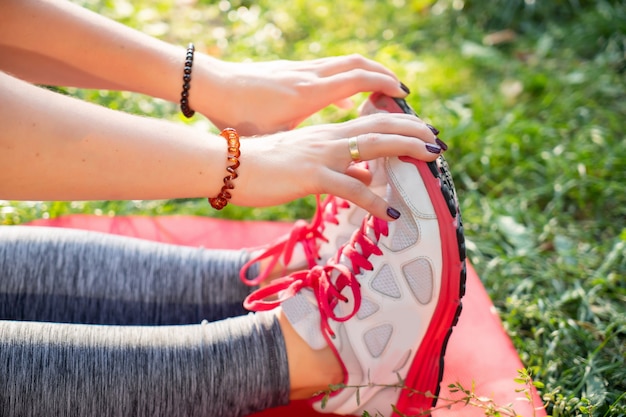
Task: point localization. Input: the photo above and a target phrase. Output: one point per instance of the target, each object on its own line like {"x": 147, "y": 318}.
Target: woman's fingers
{"x": 353, "y": 190}
{"x": 401, "y": 130}
{"x": 412, "y": 137}
{"x": 360, "y": 172}
{"x": 380, "y": 145}
{"x": 349, "y": 83}
{"x": 326, "y": 67}
{"x": 371, "y": 137}
{"x": 344, "y": 103}
{"x": 344, "y": 76}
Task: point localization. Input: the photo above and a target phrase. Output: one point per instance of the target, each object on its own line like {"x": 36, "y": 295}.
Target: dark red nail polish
{"x": 441, "y": 144}
{"x": 405, "y": 88}
{"x": 433, "y": 148}
{"x": 433, "y": 129}
{"x": 393, "y": 213}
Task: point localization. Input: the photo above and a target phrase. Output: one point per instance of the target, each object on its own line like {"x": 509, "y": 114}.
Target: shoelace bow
{"x": 327, "y": 282}
{"x": 307, "y": 234}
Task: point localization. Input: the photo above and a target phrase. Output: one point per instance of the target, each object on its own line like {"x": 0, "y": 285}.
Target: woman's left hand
{"x": 282, "y": 167}
{"x": 265, "y": 97}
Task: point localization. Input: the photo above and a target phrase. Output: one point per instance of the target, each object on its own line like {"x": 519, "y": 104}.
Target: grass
{"x": 531, "y": 98}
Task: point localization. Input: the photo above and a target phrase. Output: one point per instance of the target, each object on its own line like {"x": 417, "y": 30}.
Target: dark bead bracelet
{"x": 184, "y": 95}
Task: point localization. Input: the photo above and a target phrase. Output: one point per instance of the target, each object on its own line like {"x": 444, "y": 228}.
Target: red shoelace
{"x": 327, "y": 282}
{"x": 307, "y": 234}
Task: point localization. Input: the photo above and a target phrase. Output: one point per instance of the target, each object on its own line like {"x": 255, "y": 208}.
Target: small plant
{"x": 467, "y": 397}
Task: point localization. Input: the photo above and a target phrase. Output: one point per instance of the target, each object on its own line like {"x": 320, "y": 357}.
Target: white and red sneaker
{"x": 386, "y": 303}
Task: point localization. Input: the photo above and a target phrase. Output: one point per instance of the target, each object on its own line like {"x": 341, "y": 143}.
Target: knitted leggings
{"x": 96, "y": 324}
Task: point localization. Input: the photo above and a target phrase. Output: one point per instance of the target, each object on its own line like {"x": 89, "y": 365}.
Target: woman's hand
{"x": 316, "y": 160}
{"x": 267, "y": 97}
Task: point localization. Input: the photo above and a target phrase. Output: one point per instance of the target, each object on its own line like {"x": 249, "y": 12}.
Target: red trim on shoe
{"x": 427, "y": 366}
{"x": 426, "y": 369}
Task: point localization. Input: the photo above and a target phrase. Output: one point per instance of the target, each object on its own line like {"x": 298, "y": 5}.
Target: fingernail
{"x": 433, "y": 129}
{"x": 393, "y": 213}
{"x": 405, "y": 89}
{"x": 433, "y": 148}
{"x": 441, "y": 144}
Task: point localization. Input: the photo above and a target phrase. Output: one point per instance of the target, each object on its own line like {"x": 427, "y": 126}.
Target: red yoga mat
{"x": 480, "y": 354}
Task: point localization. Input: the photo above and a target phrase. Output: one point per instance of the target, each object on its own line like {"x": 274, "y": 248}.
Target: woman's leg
{"x": 230, "y": 367}
{"x": 226, "y": 368}
{"x": 74, "y": 276}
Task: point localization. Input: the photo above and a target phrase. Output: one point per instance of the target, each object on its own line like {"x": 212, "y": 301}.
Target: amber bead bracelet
{"x": 184, "y": 95}
{"x": 232, "y": 138}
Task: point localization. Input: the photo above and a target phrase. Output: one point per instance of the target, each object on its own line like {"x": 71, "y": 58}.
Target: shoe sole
{"x": 426, "y": 372}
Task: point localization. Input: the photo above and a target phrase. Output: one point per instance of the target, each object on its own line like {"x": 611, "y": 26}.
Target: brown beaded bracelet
{"x": 184, "y": 95}
{"x": 232, "y": 138}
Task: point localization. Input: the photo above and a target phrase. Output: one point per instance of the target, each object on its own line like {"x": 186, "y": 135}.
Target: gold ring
{"x": 353, "y": 144}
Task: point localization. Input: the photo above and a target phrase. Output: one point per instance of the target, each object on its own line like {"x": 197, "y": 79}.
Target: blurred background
{"x": 530, "y": 95}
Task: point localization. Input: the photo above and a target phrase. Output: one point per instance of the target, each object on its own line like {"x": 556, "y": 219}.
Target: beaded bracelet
{"x": 232, "y": 138}
{"x": 184, "y": 95}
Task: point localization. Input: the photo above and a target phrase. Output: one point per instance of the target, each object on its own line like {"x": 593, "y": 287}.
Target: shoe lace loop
{"x": 330, "y": 208}
{"x": 327, "y": 282}
{"x": 307, "y": 234}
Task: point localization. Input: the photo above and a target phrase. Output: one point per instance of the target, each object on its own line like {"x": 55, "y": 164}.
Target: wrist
{"x": 209, "y": 90}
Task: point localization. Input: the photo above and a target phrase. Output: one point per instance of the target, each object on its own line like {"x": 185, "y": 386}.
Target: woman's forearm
{"x": 60, "y": 43}
{"x": 54, "y": 147}
{"x": 56, "y": 42}
{"x": 38, "y": 68}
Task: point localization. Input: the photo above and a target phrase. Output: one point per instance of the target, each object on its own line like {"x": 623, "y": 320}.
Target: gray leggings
{"x": 96, "y": 324}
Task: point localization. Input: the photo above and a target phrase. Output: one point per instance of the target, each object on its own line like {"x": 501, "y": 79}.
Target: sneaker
{"x": 313, "y": 243}
{"x": 387, "y": 301}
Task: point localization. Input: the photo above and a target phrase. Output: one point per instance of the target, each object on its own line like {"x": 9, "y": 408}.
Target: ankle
{"x": 310, "y": 370}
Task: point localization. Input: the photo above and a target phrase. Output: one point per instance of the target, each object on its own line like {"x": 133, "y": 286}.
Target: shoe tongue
{"x": 302, "y": 312}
